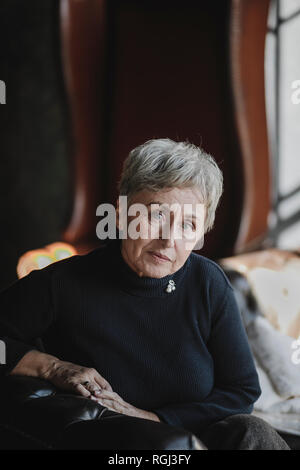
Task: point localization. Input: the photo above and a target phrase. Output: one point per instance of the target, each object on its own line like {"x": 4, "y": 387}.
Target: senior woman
{"x": 144, "y": 325}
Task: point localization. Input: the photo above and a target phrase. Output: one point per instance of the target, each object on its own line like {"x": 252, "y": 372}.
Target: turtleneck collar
{"x": 132, "y": 283}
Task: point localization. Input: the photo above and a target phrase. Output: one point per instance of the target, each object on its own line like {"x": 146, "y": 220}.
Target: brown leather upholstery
{"x": 185, "y": 70}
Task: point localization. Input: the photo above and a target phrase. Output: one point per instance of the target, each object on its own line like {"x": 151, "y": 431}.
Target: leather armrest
{"x": 20, "y": 388}
{"x": 38, "y": 409}
{"x": 55, "y": 419}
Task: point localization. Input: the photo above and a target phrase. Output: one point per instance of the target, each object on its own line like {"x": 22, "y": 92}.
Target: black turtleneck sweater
{"x": 183, "y": 355}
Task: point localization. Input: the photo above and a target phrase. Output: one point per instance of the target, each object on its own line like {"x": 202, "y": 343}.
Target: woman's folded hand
{"x": 82, "y": 380}
{"x": 114, "y": 402}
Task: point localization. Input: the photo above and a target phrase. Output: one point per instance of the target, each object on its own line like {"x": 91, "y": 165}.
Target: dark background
{"x": 35, "y": 139}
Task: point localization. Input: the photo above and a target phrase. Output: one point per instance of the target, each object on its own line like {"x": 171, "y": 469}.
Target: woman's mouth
{"x": 159, "y": 257}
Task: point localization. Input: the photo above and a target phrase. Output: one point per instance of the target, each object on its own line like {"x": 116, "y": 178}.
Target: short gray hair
{"x": 162, "y": 163}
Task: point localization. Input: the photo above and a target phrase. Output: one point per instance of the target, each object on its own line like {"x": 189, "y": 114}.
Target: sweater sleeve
{"x": 26, "y": 311}
{"x": 236, "y": 385}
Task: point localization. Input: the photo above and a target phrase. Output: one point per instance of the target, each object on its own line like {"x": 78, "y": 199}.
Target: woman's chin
{"x": 156, "y": 271}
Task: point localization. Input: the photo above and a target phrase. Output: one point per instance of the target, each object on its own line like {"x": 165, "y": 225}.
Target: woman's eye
{"x": 156, "y": 215}
{"x": 188, "y": 225}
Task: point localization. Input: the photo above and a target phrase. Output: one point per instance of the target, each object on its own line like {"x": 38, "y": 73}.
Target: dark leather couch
{"x": 36, "y": 415}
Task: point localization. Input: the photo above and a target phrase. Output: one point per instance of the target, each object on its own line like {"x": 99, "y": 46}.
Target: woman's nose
{"x": 168, "y": 233}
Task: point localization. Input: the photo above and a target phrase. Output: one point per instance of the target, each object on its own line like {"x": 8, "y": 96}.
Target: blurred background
{"x": 88, "y": 80}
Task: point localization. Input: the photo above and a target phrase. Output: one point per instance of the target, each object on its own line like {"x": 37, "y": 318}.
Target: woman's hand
{"x": 114, "y": 402}
{"x": 82, "y": 380}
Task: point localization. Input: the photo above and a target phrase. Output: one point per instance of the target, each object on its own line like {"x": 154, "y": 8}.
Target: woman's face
{"x": 171, "y": 224}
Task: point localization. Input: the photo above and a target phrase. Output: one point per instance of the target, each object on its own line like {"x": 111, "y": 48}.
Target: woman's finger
{"x": 108, "y": 387}
{"x": 103, "y": 401}
{"x": 108, "y": 394}
{"x": 115, "y": 406}
{"x": 109, "y": 403}
{"x": 91, "y": 386}
{"x": 81, "y": 390}
{"x": 102, "y": 382}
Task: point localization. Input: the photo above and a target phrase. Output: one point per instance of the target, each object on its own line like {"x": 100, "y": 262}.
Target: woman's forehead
{"x": 191, "y": 195}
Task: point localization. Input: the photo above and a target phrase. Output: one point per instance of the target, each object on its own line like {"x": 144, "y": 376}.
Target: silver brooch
{"x": 170, "y": 287}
